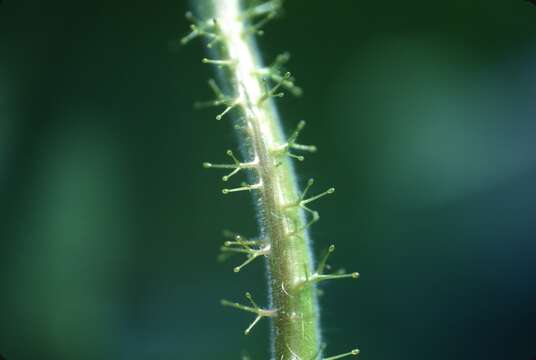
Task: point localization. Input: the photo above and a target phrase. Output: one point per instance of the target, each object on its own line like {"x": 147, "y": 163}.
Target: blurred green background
{"x": 424, "y": 115}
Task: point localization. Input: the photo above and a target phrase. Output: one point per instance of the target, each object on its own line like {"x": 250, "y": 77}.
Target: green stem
{"x": 284, "y": 215}
{"x": 295, "y": 328}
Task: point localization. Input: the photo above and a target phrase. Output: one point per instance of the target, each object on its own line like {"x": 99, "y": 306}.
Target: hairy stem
{"x": 284, "y": 215}
{"x": 295, "y": 326}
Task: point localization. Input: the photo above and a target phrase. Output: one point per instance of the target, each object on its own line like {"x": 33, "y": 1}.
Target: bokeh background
{"x": 424, "y": 114}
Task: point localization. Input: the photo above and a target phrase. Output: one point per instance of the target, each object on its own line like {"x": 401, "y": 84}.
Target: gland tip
{"x": 331, "y": 190}
{"x": 282, "y": 58}
{"x": 355, "y": 275}
{"x": 331, "y": 248}
{"x": 236, "y": 269}
{"x": 297, "y": 91}
{"x": 207, "y": 165}
{"x": 225, "y": 191}
{"x": 353, "y": 352}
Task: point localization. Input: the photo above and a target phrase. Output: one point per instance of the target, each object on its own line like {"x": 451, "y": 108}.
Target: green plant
{"x": 283, "y": 211}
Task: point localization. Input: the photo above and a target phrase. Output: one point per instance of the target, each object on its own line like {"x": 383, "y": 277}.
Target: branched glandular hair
{"x": 245, "y": 94}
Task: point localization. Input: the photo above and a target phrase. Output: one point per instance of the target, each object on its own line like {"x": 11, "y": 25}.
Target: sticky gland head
{"x": 236, "y": 166}
{"x": 215, "y": 37}
{"x": 229, "y": 107}
{"x": 256, "y": 28}
{"x": 254, "y": 308}
{"x": 272, "y": 92}
{"x": 221, "y": 99}
{"x": 316, "y": 197}
{"x": 302, "y": 203}
{"x": 244, "y": 187}
{"x": 262, "y": 9}
{"x": 275, "y": 73}
{"x": 239, "y": 240}
{"x": 291, "y": 142}
{"x": 281, "y": 59}
{"x": 251, "y": 248}
{"x": 319, "y": 274}
{"x": 209, "y": 29}
{"x": 354, "y": 352}
{"x": 284, "y": 150}
{"x": 219, "y": 63}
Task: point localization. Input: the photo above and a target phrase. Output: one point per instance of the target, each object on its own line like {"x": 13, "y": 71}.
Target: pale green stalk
{"x": 284, "y": 215}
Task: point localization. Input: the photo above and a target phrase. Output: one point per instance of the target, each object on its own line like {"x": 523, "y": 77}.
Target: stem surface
{"x": 295, "y": 325}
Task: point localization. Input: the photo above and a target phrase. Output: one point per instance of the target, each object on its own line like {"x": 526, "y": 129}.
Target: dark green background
{"x": 424, "y": 114}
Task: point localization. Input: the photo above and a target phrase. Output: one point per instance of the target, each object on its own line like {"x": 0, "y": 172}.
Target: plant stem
{"x": 282, "y": 220}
